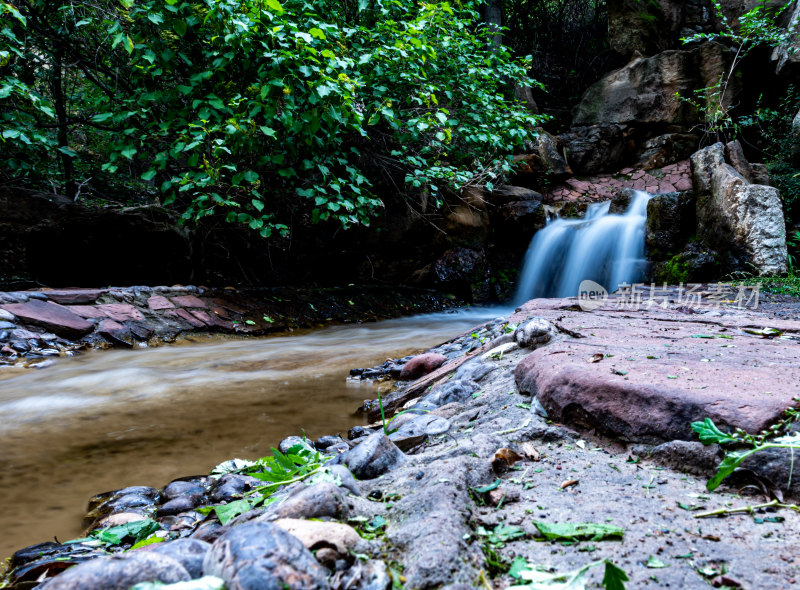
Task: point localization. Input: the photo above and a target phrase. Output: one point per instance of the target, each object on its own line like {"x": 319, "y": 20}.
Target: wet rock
{"x": 534, "y": 333}
{"x": 140, "y": 330}
{"x": 292, "y": 441}
{"x": 373, "y": 457}
{"x": 232, "y": 487}
{"x": 358, "y": 432}
{"x": 315, "y": 535}
{"x": 50, "y": 316}
{"x": 137, "y": 502}
{"x": 119, "y": 572}
{"x": 422, "y": 364}
{"x": 452, "y": 391}
{"x": 262, "y": 556}
{"x": 183, "y": 487}
{"x": 459, "y": 268}
{"x": 7, "y": 316}
{"x": 324, "y": 442}
{"x": 180, "y": 504}
{"x": 121, "y": 312}
{"x": 209, "y": 531}
{"x": 144, "y": 491}
{"x": 338, "y": 448}
{"x": 115, "y": 332}
{"x": 190, "y": 553}
{"x": 4, "y": 325}
{"x": 416, "y": 430}
{"x": 317, "y": 501}
{"x": 30, "y": 563}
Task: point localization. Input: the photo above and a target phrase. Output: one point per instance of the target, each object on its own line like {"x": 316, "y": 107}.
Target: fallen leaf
{"x": 505, "y": 458}
{"x": 569, "y": 483}
{"x": 530, "y": 451}
{"x": 654, "y": 562}
{"x": 596, "y": 358}
{"x": 618, "y": 372}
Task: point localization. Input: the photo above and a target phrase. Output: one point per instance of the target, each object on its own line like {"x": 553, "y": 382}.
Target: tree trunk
{"x": 493, "y": 15}
{"x": 67, "y": 164}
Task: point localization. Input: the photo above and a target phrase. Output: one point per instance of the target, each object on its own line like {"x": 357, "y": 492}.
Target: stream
{"x": 110, "y": 419}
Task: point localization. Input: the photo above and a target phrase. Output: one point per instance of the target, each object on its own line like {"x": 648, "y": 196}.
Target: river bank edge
{"x": 37, "y": 325}
{"x": 459, "y": 492}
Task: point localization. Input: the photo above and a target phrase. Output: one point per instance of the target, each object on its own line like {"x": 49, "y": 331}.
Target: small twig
{"x": 747, "y": 509}
{"x": 510, "y": 430}
{"x": 485, "y": 581}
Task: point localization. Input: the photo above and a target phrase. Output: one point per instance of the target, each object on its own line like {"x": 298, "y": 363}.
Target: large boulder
{"x": 594, "y": 148}
{"x": 644, "y": 91}
{"x": 744, "y": 221}
{"x": 670, "y": 223}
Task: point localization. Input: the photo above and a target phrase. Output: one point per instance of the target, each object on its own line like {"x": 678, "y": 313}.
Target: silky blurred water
{"x": 110, "y": 419}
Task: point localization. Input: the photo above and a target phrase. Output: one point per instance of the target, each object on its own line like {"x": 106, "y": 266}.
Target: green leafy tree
{"x": 254, "y": 110}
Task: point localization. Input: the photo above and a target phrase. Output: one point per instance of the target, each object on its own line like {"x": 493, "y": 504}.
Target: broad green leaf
{"x": 227, "y": 512}
{"x": 318, "y": 33}
{"x": 569, "y": 531}
{"x": 275, "y": 6}
{"x": 709, "y": 434}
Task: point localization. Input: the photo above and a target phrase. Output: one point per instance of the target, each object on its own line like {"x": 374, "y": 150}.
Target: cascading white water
{"x": 605, "y": 248}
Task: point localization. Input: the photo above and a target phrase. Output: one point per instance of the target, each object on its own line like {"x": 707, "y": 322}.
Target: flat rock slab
{"x": 50, "y": 316}
{"x": 645, "y": 375}
{"x": 74, "y": 296}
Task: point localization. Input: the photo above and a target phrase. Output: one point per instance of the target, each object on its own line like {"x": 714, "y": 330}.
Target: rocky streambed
{"x": 528, "y": 447}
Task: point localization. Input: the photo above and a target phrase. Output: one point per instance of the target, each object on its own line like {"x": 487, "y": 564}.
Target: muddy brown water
{"x": 110, "y": 419}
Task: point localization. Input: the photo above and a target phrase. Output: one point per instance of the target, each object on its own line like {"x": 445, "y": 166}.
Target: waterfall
{"x": 605, "y": 248}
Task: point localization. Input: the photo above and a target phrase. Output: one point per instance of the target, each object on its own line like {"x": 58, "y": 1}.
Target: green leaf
{"x": 179, "y": 26}
{"x": 275, "y": 6}
{"x": 655, "y": 563}
{"x": 731, "y": 461}
{"x": 149, "y": 175}
{"x": 227, "y": 512}
{"x": 68, "y": 152}
{"x": 318, "y": 33}
{"x": 136, "y": 530}
{"x": 259, "y": 205}
{"x": 128, "y": 152}
{"x": 569, "y": 531}
{"x": 614, "y": 577}
{"x": 488, "y": 488}
{"x": 709, "y": 434}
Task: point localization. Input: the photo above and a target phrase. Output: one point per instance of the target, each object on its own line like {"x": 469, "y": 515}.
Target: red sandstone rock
{"x": 51, "y": 316}
{"x": 72, "y": 296}
{"x": 159, "y": 302}
{"x": 422, "y": 364}
{"x": 662, "y": 376}
{"x": 121, "y": 311}
{"x": 188, "y": 317}
{"x": 115, "y": 332}
{"x": 88, "y": 311}
{"x": 189, "y": 301}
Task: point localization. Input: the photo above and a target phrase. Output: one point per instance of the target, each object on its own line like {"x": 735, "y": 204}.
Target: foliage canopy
{"x": 259, "y": 111}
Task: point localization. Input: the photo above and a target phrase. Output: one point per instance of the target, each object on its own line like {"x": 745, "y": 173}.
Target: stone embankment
{"x": 522, "y": 430}
{"x": 36, "y": 325}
